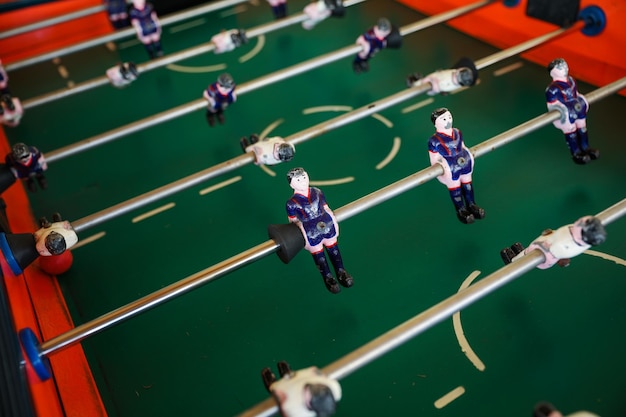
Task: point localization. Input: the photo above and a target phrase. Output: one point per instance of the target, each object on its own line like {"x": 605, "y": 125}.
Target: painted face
{"x": 380, "y": 34}
{"x": 300, "y": 182}
{"x": 560, "y": 70}
{"x": 444, "y": 121}
{"x": 139, "y": 4}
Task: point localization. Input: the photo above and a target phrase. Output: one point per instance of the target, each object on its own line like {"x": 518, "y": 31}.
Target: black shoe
{"x": 283, "y": 368}
{"x": 593, "y": 153}
{"x": 581, "y": 158}
{"x": 465, "y": 216}
{"x": 210, "y": 118}
{"x": 476, "y": 211}
{"x": 8, "y": 101}
{"x": 331, "y": 284}
{"x": 360, "y": 66}
{"x": 413, "y": 78}
{"x": 244, "y": 143}
{"x": 30, "y": 183}
{"x": 43, "y": 182}
{"x": 507, "y": 255}
{"x": 517, "y": 248}
{"x": 268, "y": 378}
{"x": 254, "y": 138}
{"x": 220, "y": 117}
{"x": 344, "y": 278}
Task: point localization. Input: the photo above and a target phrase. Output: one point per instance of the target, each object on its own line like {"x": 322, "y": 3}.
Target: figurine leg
{"x": 30, "y": 184}
{"x": 360, "y": 65}
{"x": 462, "y": 212}
{"x": 468, "y": 195}
{"x": 149, "y": 50}
{"x": 283, "y": 368}
{"x": 343, "y": 276}
{"x": 578, "y": 155}
{"x": 210, "y": 118}
{"x": 158, "y": 51}
{"x": 583, "y": 137}
{"x": 268, "y": 378}
{"x": 220, "y": 116}
{"x": 8, "y": 101}
{"x": 43, "y": 182}
{"x": 322, "y": 266}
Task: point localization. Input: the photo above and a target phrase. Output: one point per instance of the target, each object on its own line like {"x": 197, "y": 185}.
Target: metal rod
{"x": 53, "y": 21}
{"x": 158, "y": 297}
{"x": 324, "y": 127}
{"x": 168, "y": 59}
{"x": 120, "y": 34}
{"x": 251, "y": 255}
{"x": 430, "y": 317}
{"x": 241, "y": 89}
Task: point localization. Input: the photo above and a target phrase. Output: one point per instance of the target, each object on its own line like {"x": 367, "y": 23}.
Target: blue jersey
{"x": 24, "y": 171}
{"x": 567, "y": 94}
{"x": 116, "y": 7}
{"x": 144, "y": 17}
{"x": 220, "y": 98}
{"x": 375, "y": 43}
{"x": 452, "y": 150}
{"x": 317, "y": 223}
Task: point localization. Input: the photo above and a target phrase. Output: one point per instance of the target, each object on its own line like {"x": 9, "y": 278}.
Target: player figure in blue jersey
{"x": 146, "y": 23}
{"x": 447, "y": 149}
{"x": 381, "y": 36}
{"x": 307, "y": 208}
{"x": 562, "y": 95}
{"x": 118, "y": 13}
{"x": 28, "y": 163}
{"x": 219, "y": 96}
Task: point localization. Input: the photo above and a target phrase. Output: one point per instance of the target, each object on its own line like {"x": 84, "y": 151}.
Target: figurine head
{"x": 285, "y": 152}
{"x": 21, "y": 153}
{"x": 441, "y": 118}
{"x": 382, "y": 28}
{"x": 546, "y": 410}
{"x": 225, "y": 81}
{"x": 55, "y": 243}
{"x": 592, "y": 230}
{"x": 298, "y": 179}
{"x": 558, "y": 68}
{"x": 139, "y": 4}
{"x": 320, "y": 399}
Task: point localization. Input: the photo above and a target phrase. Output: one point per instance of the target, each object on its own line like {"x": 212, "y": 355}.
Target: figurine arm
{"x": 332, "y": 215}
{"x": 365, "y": 45}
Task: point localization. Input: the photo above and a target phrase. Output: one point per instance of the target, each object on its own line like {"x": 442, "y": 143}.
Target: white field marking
{"x": 449, "y": 397}
{"x": 333, "y": 182}
{"x": 194, "y": 70}
{"x": 383, "y": 120}
{"x": 220, "y": 185}
{"x": 268, "y": 171}
{"x": 128, "y": 44}
{"x": 235, "y": 10}
{"x": 417, "y": 106}
{"x": 83, "y": 242}
{"x": 320, "y": 109}
{"x": 392, "y": 154}
{"x": 188, "y": 25}
{"x": 608, "y": 257}
{"x": 153, "y": 212}
{"x": 458, "y": 328}
{"x": 507, "y": 69}
{"x": 271, "y": 127}
{"x": 63, "y": 72}
{"x": 257, "y": 48}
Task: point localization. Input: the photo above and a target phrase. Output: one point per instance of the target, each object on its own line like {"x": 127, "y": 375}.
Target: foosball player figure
{"x": 304, "y": 393}
{"x": 146, "y": 23}
{"x": 463, "y": 75}
{"x": 28, "y": 163}
{"x": 558, "y": 246}
{"x": 446, "y": 148}
{"x": 122, "y": 75}
{"x": 307, "y": 208}
{"x": 562, "y": 95}
{"x": 382, "y": 35}
{"x": 219, "y": 96}
{"x": 279, "y": 8}
{"x": 319, "y": 10}
{"x": 545, "y": 409}
{"x": 228, "y": 40}
{"x": 5, "y": 93}
{"x": 118, "y": 13}
{"x": 268, "y": 151}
